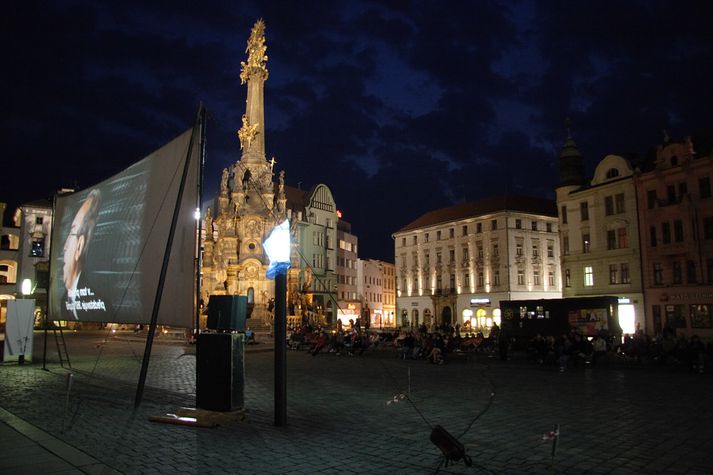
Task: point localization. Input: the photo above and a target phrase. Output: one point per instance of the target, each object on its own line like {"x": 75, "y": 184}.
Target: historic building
{"x": 25, "y": 254}
{"x": 250, "y": 204}
{"x": 676, "y": 226}
{"x": 348, "y": 303}
{"x": 376, "y": 288}
{"x": 599, "y": 233}
{"x": 9, "y": 245}
{"x": 454, "y": 265}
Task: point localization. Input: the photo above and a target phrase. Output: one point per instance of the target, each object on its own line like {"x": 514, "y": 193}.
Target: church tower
{"x": 249, "y": 203}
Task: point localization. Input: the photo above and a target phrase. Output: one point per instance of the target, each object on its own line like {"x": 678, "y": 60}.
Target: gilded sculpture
{"x": 247, "y": 133}
{"x": 257, "y": 59}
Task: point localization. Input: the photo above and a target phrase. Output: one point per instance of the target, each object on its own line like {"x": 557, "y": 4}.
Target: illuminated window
{"x": 588, "y": 276}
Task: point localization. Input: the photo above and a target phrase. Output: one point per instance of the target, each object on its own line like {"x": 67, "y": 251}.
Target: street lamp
{"x": 277, "y": 246}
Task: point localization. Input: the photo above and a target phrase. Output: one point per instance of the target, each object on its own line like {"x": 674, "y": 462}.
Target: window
{"x": 496, "y": 277}
{"x": 494, "y": 224}
{"x": 518, "y": 224}
{"x": 565, "y": 245}
{"x": 611, "y": 239}
{"x": 584, "y": 211}
{"x": 704, "y": 187}
{"x": 425, "y": 237}
{"x": 481, "y": 280}
{"x": 534, "y": 225}
{"x": 465, "y": 254}
{"x": 567, "y": 278}
{"x": 439, "y": 282}
{"x": 652, "y": 235}
{"x": 671, "y": 194}
{"x": 678, "y": 230}
{"x": 548, "y": 227}
{"x": 588, "y": 276}
{"x": 622, "y": 238}
{"x": 452, "y": 281}
{"x": 415, "y": 240}
{"x": 535, "y": 250}
{"x": 619, "y": 202}
{"x": 708, "y": 228}
{"x": 585, "y": 243}
{"x": 691, "y": 272}
{"x": 466, "y": 279}
{"x": 709, "y": 267}
{"x": 520, "y": 277}
{"x": 451, "y": 233}
{"x": 651, "y": 198}
{"x": 550, "y": 249}
{"x": 551, "y": 278}
{"x": 658, "y": 274}
{"x": 38, "y": 248}
{"x": 682, "y": 190}
{"x": 438, "y": 235}
{"x": 452, "y": 255}
{"x": 39, "y": 220}
{"x": 564, "y": 214}
{"x": 612, "y": 173}
{"x": 624, "y": 267}
{"x": 613, "y": 273}
{"x": 403, "y": 242}
{"x": 479, "y": 248}
{"x": 438, "y": 258}
{"x": 465, "y": 230}
{"x": 536, "y": 277}
{"x": 496, "y": 251}
{"x": 478, "y": 228}
{"x": 608, "y": 205}
{"x": 518, "y": 249}
{"x": 677, "y": 273}
{"x": 666, "y": 233}
{"x": 427, "y": 259}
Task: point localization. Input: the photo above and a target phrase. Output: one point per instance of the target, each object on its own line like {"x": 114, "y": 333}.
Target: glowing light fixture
{"x": 26, "y": 287}
{"x": 277, "y": 247}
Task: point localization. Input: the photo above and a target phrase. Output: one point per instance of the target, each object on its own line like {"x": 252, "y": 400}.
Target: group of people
{"x": 577, "y": 350}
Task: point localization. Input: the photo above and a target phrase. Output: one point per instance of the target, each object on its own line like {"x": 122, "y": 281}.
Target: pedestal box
{"x": 220, "y": 379}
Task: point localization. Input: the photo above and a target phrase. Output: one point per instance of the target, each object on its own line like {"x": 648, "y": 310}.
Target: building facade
{"x": 454, "y": 265}
{"x": 376, "y": 288}
{"x": 599, "y": 235}
{"x": 348, "y": 301}
{"x": 676, "y": 224}
{"x": 9, "y": 257}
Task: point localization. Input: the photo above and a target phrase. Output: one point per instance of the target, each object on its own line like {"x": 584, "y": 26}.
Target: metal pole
{"x": 199, "y": 253}
{"x": 280, "y": 331}
{"x": 162, "y": 276}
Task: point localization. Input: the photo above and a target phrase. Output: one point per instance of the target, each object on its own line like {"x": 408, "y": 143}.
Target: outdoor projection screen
{"x": 109, "y": 241}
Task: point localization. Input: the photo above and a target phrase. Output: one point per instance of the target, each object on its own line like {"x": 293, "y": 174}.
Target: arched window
{"x": 612, "y": 173}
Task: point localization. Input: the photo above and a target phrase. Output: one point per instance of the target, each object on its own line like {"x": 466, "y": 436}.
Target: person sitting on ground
{"x": 435, "y": 356}
{"x": 320, "y": 344}
{"x": 407, "y": 346}
{"x": 599, "y": 349}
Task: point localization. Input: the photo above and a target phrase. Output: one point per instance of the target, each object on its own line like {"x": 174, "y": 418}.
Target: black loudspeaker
{"x": 451, "y": 447}
{"x": 220, "y": 380}
{"x": 227, "y": 312}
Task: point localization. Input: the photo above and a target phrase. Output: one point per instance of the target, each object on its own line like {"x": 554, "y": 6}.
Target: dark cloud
{"x": 400, "y": 107}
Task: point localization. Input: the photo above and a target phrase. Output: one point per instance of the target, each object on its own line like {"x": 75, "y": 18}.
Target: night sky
{"x": 399, "y": 107}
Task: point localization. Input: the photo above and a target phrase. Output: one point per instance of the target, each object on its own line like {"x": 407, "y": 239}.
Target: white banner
{"x": 18, "y": 329}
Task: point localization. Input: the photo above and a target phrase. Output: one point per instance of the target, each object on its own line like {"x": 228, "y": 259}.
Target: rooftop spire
{"x": 571, "y": 162}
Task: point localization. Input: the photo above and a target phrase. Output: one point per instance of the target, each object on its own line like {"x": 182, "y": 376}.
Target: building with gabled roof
{"x": 454, "y": 265}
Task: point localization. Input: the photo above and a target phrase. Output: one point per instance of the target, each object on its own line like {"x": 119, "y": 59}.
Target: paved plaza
{"x": 367, "y": 414}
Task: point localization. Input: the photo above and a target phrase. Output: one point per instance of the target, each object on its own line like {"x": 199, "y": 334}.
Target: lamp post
{"x": 277, "y": 247}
